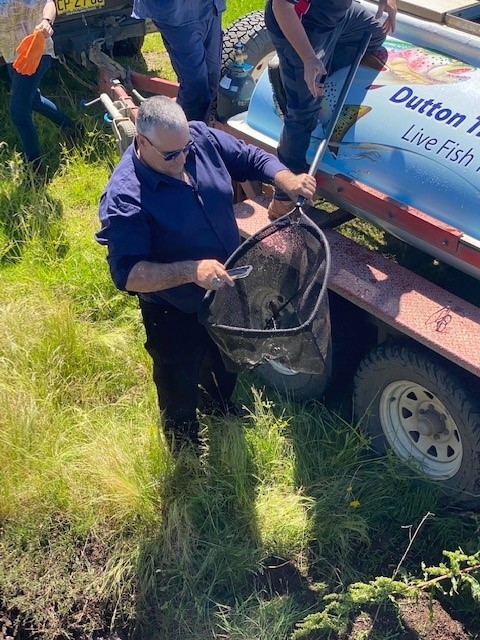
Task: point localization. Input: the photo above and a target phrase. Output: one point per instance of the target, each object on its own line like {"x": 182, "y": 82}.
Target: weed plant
{"x": 100, "y": 529}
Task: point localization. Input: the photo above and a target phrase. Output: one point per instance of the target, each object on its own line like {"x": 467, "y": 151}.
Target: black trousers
{"x": 187, "y": 366}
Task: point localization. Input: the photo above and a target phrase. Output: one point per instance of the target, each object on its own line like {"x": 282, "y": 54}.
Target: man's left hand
{"x": 390, "y": 8}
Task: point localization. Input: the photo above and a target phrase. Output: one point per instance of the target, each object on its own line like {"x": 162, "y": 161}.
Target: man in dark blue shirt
{"x": 313, "y": 38}
{"x": 192, "y": 33}
{"x": 168, "y": 222}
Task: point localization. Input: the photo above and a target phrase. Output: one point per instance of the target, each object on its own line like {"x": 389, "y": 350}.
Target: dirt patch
{"x": 421, "y": 619}
{"x": 411, "y": 619}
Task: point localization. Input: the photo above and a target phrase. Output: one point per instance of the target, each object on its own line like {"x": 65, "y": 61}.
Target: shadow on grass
{"x": 208, "y": 546}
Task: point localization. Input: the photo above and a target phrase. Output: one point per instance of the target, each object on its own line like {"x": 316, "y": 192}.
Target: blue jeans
{"x": 25, "y": 97}
{"x": 195, "y": 51}
{"x": 339, "y": 46}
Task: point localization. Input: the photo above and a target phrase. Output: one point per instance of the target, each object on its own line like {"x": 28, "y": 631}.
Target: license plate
{"x": 70, "y": 6}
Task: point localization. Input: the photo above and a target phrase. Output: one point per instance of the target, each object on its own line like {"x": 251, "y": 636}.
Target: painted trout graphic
{"x": 399, "y": 62}
{"x": 349, "y": 115}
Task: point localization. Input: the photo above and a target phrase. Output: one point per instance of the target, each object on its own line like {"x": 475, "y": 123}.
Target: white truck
{"x": 82, "y": 23}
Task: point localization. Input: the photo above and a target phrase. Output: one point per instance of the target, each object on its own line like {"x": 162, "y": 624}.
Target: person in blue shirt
{"x": 167, "y": 219}
{"x": 313, "y": 38}
{"x": 192, "y": 33}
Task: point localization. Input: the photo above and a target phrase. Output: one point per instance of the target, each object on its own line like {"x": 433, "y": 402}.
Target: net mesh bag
{"x": 279, "y": 313}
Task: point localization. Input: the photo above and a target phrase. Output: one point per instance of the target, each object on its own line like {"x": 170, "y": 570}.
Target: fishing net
{"x": 279, "y": 313}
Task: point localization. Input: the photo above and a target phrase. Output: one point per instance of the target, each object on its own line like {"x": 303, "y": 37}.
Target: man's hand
{"x": 313, "y": 74}
{"x": 296, "y": 185}
{"x": 390, "y": 8}
{"x": 211, "y": 274}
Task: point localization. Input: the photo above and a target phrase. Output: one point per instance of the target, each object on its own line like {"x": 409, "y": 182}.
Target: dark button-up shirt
{"x": 175, "y": 13}
{"x": 317, "y": 15}
{"x": 147, "y": 215}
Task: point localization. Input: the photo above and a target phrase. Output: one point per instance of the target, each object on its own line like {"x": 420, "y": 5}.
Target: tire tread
{"x": 453, "y": 384}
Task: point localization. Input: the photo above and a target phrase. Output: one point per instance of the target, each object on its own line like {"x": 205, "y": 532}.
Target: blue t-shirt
{"x": 146, "y": 215}
{"x": 175, "y": 13}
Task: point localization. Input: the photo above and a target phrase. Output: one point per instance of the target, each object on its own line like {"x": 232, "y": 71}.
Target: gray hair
{"x": 160, "y": 111}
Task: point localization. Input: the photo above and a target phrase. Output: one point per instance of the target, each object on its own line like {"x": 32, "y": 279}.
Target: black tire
{"x": 251, "y": 31}
{"x": 129, "y": 46}
{"x": 279, "y": 95}
{"x": 413, "y": 403}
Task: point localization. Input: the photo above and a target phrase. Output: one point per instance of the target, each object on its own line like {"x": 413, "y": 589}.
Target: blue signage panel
{"x": 410, "y": 128}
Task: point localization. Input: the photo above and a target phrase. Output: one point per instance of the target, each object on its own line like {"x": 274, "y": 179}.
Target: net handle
{"x": 347, "y": 83}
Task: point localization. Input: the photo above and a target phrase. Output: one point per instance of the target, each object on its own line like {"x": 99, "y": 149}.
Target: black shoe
{"x": 181, "y": 438}
{"x": 74, "y": 133}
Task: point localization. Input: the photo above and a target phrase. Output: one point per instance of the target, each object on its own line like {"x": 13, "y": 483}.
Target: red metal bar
{"x": 151, "y": 84}
{"x": 142, "y": 83}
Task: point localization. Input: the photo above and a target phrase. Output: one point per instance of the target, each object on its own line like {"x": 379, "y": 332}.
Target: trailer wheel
{"x": 412, "y": 403}
{"x": 126, "y": 132}
{"x": 251, "y": 31}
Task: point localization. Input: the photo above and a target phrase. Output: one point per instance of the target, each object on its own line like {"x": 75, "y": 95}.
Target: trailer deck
{"x": 400, "y": 300}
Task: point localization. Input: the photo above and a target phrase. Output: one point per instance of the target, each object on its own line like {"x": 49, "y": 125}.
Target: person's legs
{"x": 302, "y": 107}
{"x": 24, "y": 91}
{"x": 213, "y": 52}
{"x": 299, "y": 120}
{"x": 215, "y": 381}
{"x": 49, "y": 109}
{"x": 339, "y": 46}
{"x": 25, "y": 98}
{"x": 176, "y": 345}
{"x": 357, "y": 21}
{"x": 301, "y": 113}
{"x": 194, "y": 51}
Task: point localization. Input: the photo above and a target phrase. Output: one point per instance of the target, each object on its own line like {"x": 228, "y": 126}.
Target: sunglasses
{"x": 171, "y": 155}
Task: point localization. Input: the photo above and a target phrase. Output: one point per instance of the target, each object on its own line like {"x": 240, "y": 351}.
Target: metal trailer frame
{"x": 392, "y": 300}
{"x": 420, "y": 300}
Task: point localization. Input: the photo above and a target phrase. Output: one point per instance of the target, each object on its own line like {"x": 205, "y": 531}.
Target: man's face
{"x": 165, "y": 150}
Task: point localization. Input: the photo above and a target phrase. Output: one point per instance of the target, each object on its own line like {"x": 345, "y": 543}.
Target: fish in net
{"x": 279, "y": 313}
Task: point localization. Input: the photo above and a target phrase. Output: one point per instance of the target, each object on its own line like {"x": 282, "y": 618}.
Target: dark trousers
{"x": 339, "y": 47}
{"x": 195, "y": 51}
{"x": 25, "y": 97}
{"x": 184, "y": 357}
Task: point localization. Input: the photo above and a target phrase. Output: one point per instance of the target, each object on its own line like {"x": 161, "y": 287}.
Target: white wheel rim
{"x": 419, "y": 427}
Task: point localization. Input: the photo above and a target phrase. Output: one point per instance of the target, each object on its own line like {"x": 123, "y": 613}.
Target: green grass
{"x": 99, "y": 527}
